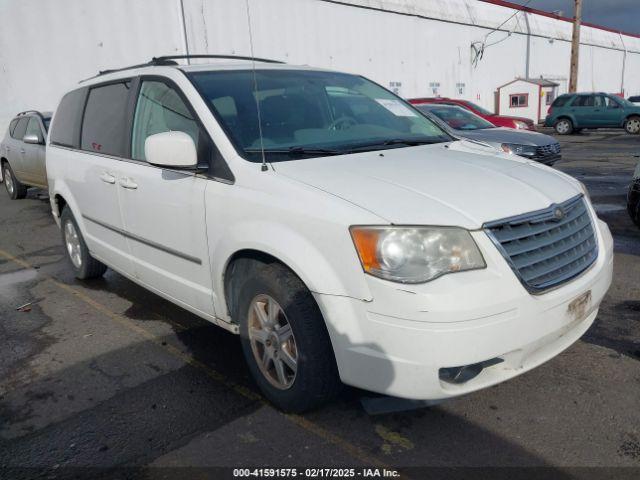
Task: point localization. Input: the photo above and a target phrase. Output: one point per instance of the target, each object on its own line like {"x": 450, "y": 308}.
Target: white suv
{"x": 341, "y": 233}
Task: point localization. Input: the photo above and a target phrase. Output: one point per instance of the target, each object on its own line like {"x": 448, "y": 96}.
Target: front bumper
{"x": 397, "y": 343}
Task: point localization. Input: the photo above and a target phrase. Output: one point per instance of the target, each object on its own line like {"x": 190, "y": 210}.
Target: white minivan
{"x": 344, "y": 236}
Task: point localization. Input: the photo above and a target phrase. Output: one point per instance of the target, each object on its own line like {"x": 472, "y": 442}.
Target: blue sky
{"x": 617, "y": 14}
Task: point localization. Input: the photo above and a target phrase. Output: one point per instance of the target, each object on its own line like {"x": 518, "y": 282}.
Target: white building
{"x": 416, "y": 47}
{"x": 526, "y": 97}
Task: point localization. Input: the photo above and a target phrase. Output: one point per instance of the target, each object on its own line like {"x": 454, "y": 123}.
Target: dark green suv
{"x": 572, "y": 112}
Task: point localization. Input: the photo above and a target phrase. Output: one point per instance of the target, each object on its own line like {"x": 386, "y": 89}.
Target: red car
{"x": 497, "y": 120}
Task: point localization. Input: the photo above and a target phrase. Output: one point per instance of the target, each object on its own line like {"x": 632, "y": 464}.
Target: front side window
{"x": 33, "y": 128}
{"x": 160, "y": 109}
{"x": 309, "y": 113}
{"x": 21, "y": 128}
{"x": 104, "y": 125}
{"x": 458, "y": 118}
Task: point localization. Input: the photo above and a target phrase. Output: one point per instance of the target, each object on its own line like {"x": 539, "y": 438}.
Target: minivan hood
{"x": 443, "y": 184}
{"x": 507, "y": 135}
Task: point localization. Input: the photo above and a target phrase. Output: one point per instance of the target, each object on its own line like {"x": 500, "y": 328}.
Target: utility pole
{"x": 575, "y": 47}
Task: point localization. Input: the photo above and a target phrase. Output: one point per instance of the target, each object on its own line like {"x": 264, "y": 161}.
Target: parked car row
{"x": 332, "y": 225}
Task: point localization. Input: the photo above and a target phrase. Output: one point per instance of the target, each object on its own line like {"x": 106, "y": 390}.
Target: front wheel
{"x": 285, "y": 341}
{"x": 564, "y": 126}
{"x": 83, "y": 264}
{"x": 632, "y": 125}
{"x": 15, "y": 189}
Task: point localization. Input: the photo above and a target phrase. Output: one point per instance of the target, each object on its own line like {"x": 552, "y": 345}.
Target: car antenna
{"x": 264, "y": 167}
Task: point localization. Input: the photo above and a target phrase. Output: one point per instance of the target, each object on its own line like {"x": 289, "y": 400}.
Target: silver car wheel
{"x": 272, "y": 342}
{"x": 633, "y": 126}
{"x": 563, "y": 127}
{"x": 72, "y": 242}
{"x": 8, "y": 181}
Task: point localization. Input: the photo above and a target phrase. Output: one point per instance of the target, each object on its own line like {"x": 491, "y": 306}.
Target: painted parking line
{"x": 351, "y": 449}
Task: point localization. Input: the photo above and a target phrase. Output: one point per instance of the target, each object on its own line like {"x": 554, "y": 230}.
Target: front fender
{"x": 327, "y": 264}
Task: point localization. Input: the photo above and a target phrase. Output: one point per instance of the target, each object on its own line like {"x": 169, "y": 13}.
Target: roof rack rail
{"x": 28, "y": 111}
{"x": 170, "y": 60}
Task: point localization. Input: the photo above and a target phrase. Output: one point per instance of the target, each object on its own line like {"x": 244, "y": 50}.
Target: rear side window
{"x": 584, "y": 101}
{"x": 12, "y": 126}
{"x": 66, "y": 128}
{"x": 21, "y": 128}
{"x": 561, "y": 101}
{"x": 104, "y": 125}
{"x": 34, "y": 128}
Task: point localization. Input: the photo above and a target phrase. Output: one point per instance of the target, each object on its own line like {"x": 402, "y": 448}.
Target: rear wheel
{"x": 83, "y": 264}
{"x": 15, "y": 189}
{"x": 564, "y": 126}
{"x": 632, "y": 125}
{"x": 285, "y": 340}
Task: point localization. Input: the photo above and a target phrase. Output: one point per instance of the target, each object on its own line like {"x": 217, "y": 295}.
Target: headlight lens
{"x": 521, "y": 124}
{"x": 526, "y": 150}
{"x": 415, "y": 254}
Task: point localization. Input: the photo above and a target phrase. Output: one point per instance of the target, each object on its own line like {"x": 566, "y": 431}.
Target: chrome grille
{"x": 549, "y": 247}
{"x": 546, "y": 150}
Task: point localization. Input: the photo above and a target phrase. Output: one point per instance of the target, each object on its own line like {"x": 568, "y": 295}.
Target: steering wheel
{"x": 343, "y": 123}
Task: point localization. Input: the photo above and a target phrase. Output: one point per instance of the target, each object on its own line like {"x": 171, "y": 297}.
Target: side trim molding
{"x": 150, "y": 243}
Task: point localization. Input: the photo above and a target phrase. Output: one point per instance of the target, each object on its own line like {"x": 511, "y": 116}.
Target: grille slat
{"x": 545, "y": 250}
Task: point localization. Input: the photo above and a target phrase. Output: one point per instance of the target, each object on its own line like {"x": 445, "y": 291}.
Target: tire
{"x": 83, "y": 264}
{"x": 633, "y": 202}
{"x": 632, "y": 125}
{"x": 563, "y": 126}
{"x": 15, "y": 189}
{"x": 315, "y": 380}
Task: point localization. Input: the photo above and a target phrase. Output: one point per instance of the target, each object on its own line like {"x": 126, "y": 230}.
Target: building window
{"x": 460, "y": 88}
{"x": 435, "y": 88}
{"x": 518, "y": 100}
{"x": 549, "y": 97}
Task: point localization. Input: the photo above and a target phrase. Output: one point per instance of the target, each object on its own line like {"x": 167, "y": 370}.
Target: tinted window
{"x": 634, "y": 99}
{"x": 160, "y": 109}
{"x": 12, "y": 126}
{"x": 457, "y": 118}
{"x": 34, "y": 128}
{"x": 105, "y": 119}
{"x": 21, "y": 128}
{"x": 561, "y": 101}
{"x": 66, "y": 128}
{"x": 584, "y": 101}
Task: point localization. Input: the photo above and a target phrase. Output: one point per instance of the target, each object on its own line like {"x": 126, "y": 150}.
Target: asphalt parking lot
{"x": 104, "y": 374}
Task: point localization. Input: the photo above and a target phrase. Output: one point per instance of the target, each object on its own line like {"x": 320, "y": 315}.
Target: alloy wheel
{"x": 633, "y": 126}
{"x": 272, "y": 342}
{"x": 562, "y": 127}
{"x": 8, "y": 181}
{"x": 72, "y": 242}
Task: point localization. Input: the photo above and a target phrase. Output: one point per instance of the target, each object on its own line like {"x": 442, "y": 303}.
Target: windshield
{"x": 483, "y": 111}
{"x": 310, "y": 113}
{"x": 457, "y": 118}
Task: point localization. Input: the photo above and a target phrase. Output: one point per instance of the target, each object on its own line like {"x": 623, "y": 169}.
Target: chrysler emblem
{"x": 558, "y": 213}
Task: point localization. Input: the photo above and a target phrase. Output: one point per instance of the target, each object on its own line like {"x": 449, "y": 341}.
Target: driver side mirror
{"x": 33, "y": 139}
{"x": 171, "y": 149}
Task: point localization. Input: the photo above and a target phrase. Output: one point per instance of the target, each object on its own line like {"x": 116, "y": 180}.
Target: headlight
{"x": 415, "y": 254}
{"x": 525, "y": 150}
{"x": 520, "y": 124}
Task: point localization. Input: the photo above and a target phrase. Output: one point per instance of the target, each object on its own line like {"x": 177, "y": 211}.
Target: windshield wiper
{"x": 297, "y": 151}
{"x": 391, "y": 142}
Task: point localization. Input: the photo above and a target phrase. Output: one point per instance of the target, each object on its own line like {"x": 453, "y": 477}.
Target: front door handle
{"x": 127, "y": 183}
{"x": 108, "y": 178}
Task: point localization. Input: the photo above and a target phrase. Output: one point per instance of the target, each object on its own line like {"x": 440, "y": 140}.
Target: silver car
{"x": 22, "y": 153}
{"x": 462, "y": 123}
